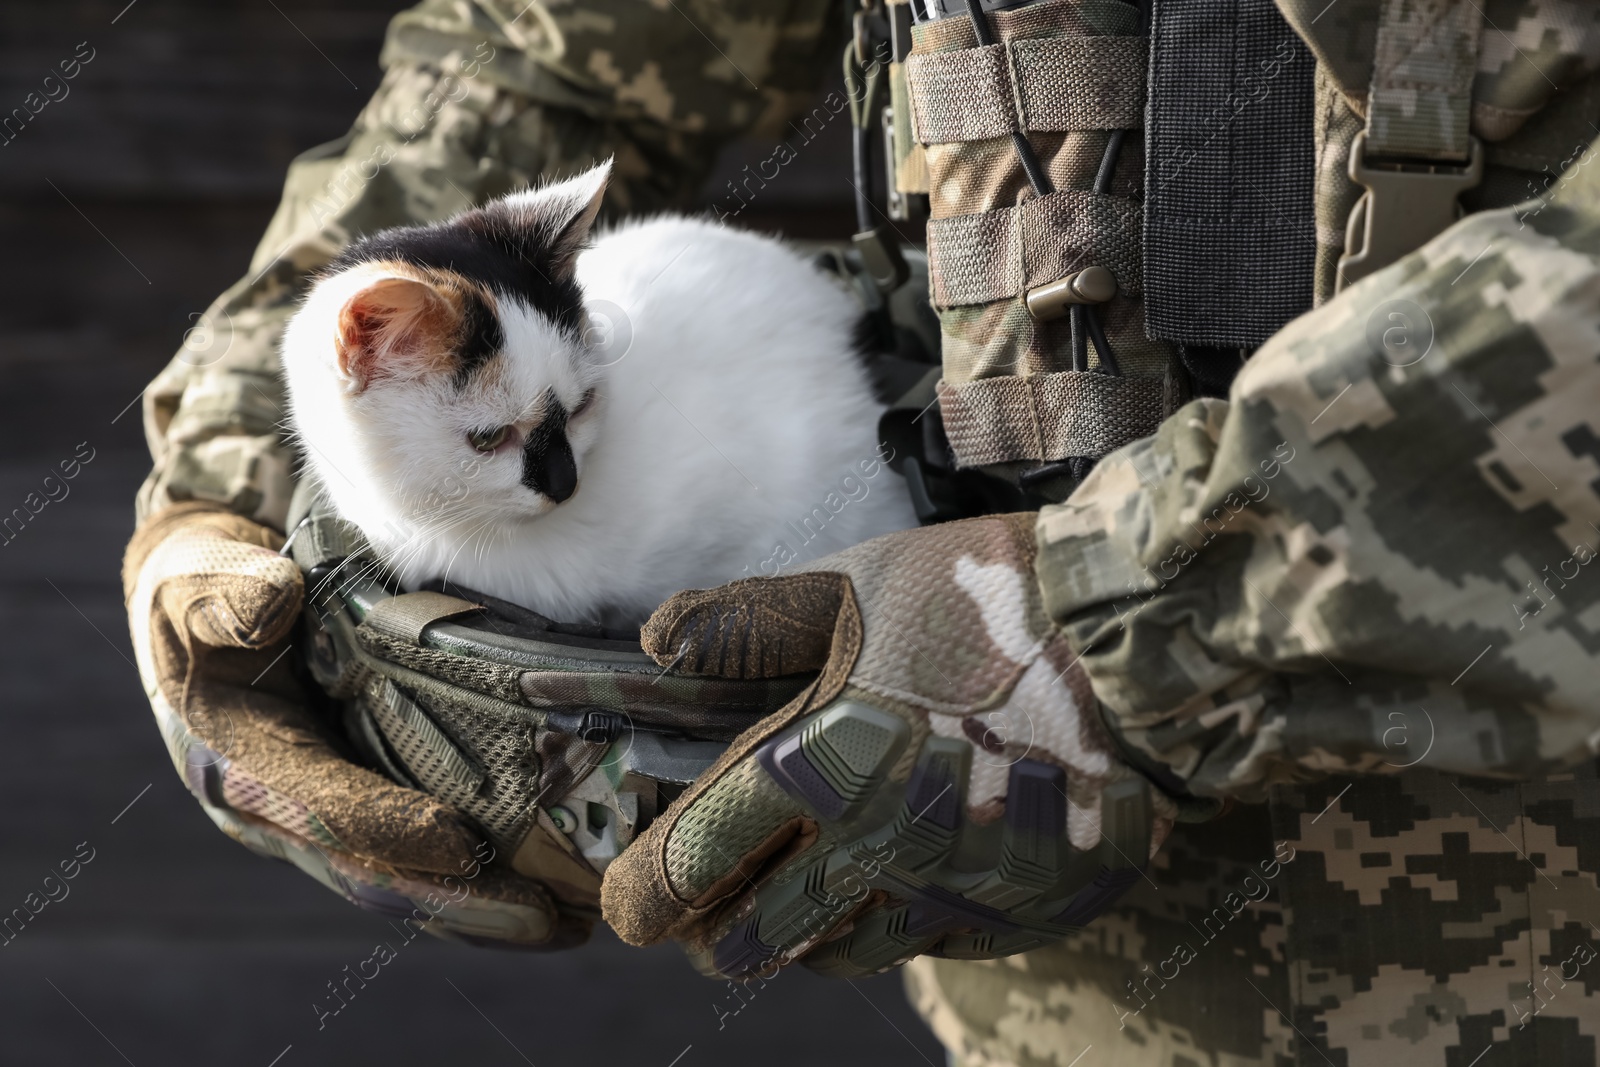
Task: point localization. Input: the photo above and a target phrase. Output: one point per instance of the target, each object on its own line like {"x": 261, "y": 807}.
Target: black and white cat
{"x": 446, "y": 384}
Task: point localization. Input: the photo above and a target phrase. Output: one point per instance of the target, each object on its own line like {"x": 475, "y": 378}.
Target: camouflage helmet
{"x": 561, "y": 742}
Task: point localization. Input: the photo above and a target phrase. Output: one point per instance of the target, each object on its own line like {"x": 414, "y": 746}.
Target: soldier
{"x": 1348, "y": 605}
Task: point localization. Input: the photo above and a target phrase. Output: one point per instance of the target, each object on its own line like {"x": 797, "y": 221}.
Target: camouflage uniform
{"x": 1410, "y": 565}
{"x": 1343, "y": 571}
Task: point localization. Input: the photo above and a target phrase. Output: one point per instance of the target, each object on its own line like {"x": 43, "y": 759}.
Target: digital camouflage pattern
{"x": 1397, "y": 476}
{"x": 1350, "y": 930}
{"x": 1525, "y": 51}
{"x": 1164, "y": 977}
{"x": 1532, "y": 101}
{"x": 1419, "y": 101}
{"x": 1370, "y": 560}
{"x": 1405, "y": 949}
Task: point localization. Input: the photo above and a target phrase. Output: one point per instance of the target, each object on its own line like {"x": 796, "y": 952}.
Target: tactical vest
{"x": 1229, "y": 165}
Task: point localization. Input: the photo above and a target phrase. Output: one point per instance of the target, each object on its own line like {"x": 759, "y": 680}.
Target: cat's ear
{"x": 560, "y": 216}
{"x": 394, "y": 328}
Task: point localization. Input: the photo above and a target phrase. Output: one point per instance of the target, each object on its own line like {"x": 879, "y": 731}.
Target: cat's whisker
{"x": 464, "y": 544}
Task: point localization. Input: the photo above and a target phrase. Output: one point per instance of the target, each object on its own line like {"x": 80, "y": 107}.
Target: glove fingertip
{"x": 656, "y": 634}
{"x": 635, "y": 900}
{"x": 677, "y": 622}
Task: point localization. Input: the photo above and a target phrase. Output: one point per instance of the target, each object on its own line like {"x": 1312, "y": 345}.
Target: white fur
{"x": 741, "y": 370}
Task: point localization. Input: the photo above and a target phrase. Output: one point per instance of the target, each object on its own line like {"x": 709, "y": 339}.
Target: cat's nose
{"x": 547, "y": 463}
{"x": 560, "y": 474}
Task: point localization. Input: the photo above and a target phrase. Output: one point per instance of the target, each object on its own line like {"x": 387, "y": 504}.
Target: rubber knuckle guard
{"x": 951, "y": 888}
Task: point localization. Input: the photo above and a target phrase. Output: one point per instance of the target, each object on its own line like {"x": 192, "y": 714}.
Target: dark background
{"x": 124, "y": 209}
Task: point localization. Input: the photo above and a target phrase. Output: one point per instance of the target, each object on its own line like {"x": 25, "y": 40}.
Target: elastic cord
{"x": 1091, "y": 320}
{"x": 861, "y": 88}
{"x": 860, "y": 146}
{"x": 1079, "y": 338}
{"x": 1108, "y": 162}
{"x": 1037, "y": 178}
{"x": 1097, "y": 334}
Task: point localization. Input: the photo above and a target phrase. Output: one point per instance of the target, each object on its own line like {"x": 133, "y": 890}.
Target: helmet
{"x": 560, "y": 741}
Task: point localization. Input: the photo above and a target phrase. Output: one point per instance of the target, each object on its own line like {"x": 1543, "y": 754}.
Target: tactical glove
{"x": 212, "y": 606}
{"x": 944, "y": 786}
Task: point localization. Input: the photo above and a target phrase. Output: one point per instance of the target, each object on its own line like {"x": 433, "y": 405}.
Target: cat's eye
{"x": 488, "y": 440}
{"x": 585, "y": 404}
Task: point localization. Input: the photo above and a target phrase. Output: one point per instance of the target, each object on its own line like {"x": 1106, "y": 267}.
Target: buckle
{"x": 880, "y": 254}
{"x": 1405, "y": 206}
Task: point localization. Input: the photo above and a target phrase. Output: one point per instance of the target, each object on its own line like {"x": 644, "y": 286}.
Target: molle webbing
{"x": 1049, "y": 416}
{"x": 1021, "y": 385}
{"x": 1052, "y": 84}
{"x": 995, "y": 255}
{"x": 1420, "y": 102}
{"x": 425, "y": 751}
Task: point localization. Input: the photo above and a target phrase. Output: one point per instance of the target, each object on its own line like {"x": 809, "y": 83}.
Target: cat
{"x": 457, "y": 397}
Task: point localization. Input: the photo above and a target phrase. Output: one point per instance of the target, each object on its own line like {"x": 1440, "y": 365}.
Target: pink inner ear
{"x": 394, "y": 328}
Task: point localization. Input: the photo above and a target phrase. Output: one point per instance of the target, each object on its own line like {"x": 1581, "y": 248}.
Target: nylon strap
{"x": 1420, "y": 103}
{"x": 427, "y": 753}
{"x": 1050, "y": 84}
{"x": 403, "y": 618}
{"x": 995, "y": 255}
{"x": 1048, "y": 417}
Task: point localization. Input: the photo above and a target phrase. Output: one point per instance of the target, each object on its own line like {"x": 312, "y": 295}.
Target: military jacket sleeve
{"x": 1380, "y": 551}
{"x": 477, "y": 99}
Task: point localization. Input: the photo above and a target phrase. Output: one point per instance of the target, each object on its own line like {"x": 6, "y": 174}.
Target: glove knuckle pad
{"x": 902, "y": 868}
